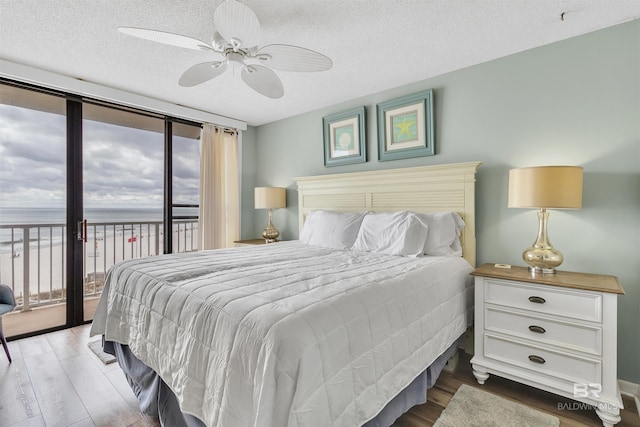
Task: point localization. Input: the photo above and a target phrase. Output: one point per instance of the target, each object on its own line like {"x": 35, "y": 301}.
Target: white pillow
{"x": 444, "y": 233}
{"x": 398, "y": 233}
{"x": 331, "y": 229}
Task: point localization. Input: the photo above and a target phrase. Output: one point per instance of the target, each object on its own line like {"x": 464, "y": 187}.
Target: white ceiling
{"x": 374, "y": 44}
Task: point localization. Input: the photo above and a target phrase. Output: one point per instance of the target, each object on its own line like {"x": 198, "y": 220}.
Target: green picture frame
{"x": 405, "y": 127}
{"x": 345, "y": 138}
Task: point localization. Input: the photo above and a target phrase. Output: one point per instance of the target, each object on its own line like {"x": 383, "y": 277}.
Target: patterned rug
{"x": 96, "y": 348}
{"x": 472, "y": 407}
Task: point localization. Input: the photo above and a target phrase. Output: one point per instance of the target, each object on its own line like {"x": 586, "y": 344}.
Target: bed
{"x": 296, "y": 334}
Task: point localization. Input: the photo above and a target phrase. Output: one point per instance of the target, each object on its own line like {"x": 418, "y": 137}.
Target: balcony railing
{"x": 32, "y": 256}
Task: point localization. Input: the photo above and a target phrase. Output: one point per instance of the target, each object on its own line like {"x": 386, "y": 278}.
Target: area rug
{"x": 472, "y": 407}
{"x": 96, "y": 348}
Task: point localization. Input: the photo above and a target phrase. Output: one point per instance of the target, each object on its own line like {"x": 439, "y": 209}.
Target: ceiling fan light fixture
{"x": 235, "y": 38}
{"x": 236, "y": 57}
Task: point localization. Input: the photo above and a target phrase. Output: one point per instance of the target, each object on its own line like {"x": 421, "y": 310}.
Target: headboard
{"x": 438, "y": 188}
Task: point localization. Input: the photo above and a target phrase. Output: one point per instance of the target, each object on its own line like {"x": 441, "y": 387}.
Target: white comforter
{"x": 285, "y": 334}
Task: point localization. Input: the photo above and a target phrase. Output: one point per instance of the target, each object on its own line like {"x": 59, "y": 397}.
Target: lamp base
{"x": 538, "y": 270}
{"x": 271, "y": 233}
{"x": 542, "y": 257}
{"x": 542, "y": 260}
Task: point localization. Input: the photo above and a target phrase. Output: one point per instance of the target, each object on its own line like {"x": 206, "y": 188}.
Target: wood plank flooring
{"x": 447, "y": 384}
{"x": 55, "y": 380}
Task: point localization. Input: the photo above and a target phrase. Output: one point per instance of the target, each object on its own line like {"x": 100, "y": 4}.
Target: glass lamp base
{"x": 542, "y": 260}
{"x": 271, "y": 233}
{"x": 542, "y": 257}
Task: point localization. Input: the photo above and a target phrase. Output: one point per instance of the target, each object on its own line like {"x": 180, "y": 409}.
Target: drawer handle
{"x": 537, "y": 329}
{"x": 536, "y": 359}
{"x": 537, "y": 300}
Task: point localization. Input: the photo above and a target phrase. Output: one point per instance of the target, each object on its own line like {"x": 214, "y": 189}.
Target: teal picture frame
{"x": 405, "y": 127}
{"x": 345, "y": 140}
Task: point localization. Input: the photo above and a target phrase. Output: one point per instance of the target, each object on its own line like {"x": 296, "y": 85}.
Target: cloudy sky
{"x": 123, "y": 167}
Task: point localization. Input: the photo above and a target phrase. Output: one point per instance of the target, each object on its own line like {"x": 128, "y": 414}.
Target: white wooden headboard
{"x": 438, "y": 188}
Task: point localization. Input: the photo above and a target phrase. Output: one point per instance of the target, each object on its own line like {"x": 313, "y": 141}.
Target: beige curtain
{"x": 219, "y": 223}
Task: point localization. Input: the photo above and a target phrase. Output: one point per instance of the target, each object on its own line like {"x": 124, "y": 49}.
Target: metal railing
{"x": 32, "y": 256}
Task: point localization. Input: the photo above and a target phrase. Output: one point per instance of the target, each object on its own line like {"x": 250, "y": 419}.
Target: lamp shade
{"x": 270, "y": 197}
{"x": 558, "y": 187}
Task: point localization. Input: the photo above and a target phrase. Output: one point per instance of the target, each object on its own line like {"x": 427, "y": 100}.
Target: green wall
{"x": 248, "y": 179}
{"x": 575, "y": 102}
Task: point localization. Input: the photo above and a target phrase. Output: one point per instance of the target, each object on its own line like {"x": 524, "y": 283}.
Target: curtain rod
{"x": 230, "y": 131}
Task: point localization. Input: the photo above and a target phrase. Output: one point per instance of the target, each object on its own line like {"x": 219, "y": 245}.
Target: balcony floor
{"x": 18, "y": 322}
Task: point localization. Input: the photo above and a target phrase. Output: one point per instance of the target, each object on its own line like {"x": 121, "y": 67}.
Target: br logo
{"x": 587, "y": 390}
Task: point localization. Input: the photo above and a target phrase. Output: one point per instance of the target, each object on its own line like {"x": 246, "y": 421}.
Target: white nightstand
{"x": 251, "y": 242}
{"x": 556, "y": 332}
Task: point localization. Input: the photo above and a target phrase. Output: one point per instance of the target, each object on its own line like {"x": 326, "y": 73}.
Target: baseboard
{"x": 631, "y": 390}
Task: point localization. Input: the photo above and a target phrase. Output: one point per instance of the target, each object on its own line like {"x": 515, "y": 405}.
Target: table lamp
{"x": 270, "y": 198}
{"x": 544, "y": 187}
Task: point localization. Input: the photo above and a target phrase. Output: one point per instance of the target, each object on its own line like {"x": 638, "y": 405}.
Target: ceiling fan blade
{"x": 263, "y": 80}
{"x": 292, "y": 58}
{"x": 166, "y": 38}
{"x": 237, "y": 23}
{"x": 202, "y": 72}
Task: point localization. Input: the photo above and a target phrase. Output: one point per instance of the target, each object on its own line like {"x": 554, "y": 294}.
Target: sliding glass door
{"x": 84, "y": 185}
{"x": 33, "y": 200}
{"x": 123, "y": 154}
{"x": 185, "y": 185}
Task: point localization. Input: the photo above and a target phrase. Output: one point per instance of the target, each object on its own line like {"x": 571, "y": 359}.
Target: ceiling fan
{"x": 236, "y": 40}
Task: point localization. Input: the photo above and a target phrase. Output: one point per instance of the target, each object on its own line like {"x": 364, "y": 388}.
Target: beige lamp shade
{"x": 558, "y": 187}
{"x": 270, "y": 197}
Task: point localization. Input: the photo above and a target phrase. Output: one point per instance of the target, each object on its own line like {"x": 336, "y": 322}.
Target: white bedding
{"x": 286, "y": 334}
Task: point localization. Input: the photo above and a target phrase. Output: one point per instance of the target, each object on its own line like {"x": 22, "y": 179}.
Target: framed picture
{"x": 344, "y": 138}
{"x": 405, "y": 127}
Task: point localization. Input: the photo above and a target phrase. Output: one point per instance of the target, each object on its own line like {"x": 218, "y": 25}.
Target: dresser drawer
{"x": 576, "y": 337}
{"x": 560, "y": 365}
{"x": 581, "y": 305}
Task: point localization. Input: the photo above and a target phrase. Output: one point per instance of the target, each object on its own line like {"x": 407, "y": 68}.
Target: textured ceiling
{"x": 374, "y": 44}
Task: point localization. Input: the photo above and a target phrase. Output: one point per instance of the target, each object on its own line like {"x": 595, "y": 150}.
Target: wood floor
{"x": 55, "y": 380}
{"x": 440, "y": 395}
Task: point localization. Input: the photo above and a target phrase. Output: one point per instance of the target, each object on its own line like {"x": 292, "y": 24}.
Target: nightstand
{"x": 556, "y": 332}
{"x": 250, "y": 242}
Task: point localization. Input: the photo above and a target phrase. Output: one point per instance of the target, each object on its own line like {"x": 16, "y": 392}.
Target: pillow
{"x": 444, "y": 233}
{"x": 331, "y": 229}
{"x": 398, "y": 233}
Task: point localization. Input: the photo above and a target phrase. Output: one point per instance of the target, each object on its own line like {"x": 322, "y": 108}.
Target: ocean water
{"x": 12, "y": 237}
{"x": 10, "y": 215}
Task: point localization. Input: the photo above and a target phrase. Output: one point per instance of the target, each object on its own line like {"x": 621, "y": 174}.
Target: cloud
{"x": 122, "y": 166}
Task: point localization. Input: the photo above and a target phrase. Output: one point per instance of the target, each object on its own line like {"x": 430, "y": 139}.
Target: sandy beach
{"x": 102, "y": 250}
